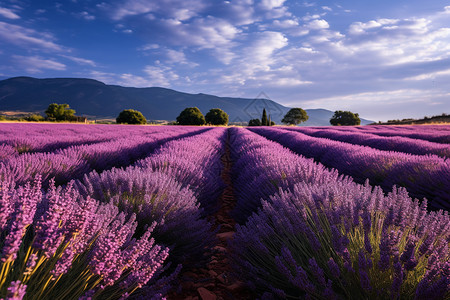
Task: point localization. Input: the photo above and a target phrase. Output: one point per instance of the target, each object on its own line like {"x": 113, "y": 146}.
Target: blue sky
{"x": 382, "y": 59}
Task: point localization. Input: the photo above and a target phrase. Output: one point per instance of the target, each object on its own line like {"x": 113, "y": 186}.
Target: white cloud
{"x": 284, "y": 24}
{"x": 360, "y": 28}
{"x": 131, "y": 8}
{"x": 148, "y": 47}
{"x": 309, "y": 4}
{"x": 154, "y": 76}
{"x": 271, "y": 4}
{"x": 160, "y": 75}
{"x": 85, "y": 15}
{"x": 176, "y": 9}
{"x": 35, "y": 64}
{"x": 8, "y": 13}
{"x": 80, "y": 61}
{"x": 25, "y": 37}
{"x": 284, "y": 82}
{"x": 178, "y": 57}
{"x": 318, "y": 24}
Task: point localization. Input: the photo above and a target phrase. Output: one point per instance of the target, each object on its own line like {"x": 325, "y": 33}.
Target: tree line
{"x": 193, "y": 116}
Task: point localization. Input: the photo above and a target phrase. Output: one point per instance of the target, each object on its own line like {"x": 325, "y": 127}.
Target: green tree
{"x": 344, "y": 118}
{"x": 264, "y": 120}
{"x": 254, "y": 122}
{"x": 216, "y": 116}
{"x": 131, "y": 116}
{"x": 59, "y": 112}
{"x": 191, "y": 116}
{"x": 34, "y": 118}
{"x": 295, "y": 116}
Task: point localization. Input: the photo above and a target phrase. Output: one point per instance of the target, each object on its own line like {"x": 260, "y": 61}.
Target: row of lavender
{"x": 322, "y": 236}
{"x": 431, "y": 133}
{"x": 64, "y": 244}
{"x": 388, "y": 143}
{"x": 120, "y": 147}
{"x": 424, "y": 176}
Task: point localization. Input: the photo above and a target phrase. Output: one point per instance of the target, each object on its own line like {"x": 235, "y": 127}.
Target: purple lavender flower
{"x": 408, "y": 255}
{"x": 367, "y": 244}
{"x": 398, "y": 279}
{"x": 316, "y": 271}
{"x": 49, "y": 233}
{"x": 365, "y": 280}
{"x": 334, "y": 268}
{"x": 16, "y": 291}
{"x": 25, "y": 200}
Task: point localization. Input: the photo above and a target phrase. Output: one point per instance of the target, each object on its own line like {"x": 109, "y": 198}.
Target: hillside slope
{"x": 94, "y": 98}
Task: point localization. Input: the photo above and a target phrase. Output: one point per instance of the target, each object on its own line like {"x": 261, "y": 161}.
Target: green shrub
{"x": 131, "y": 116}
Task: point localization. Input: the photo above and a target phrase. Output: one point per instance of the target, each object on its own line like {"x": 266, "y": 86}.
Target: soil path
{"x": 215, "y": 281}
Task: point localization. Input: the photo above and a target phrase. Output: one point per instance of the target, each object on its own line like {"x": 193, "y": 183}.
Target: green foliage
{"x": 295, "y": 116}
{"x": 34, "y": 118}
{"x": 264, "y": 120}
{"x": 216, "y": 116}
{"x": 131, "y": 116}
{"x": 254, "y": 122}
{"x": 2, "y": 118}
{"x": 272, "y": 123}
{"x": 59, "y": 112}
{"x": 191, "y": 116}
{"x": 345, "y": 118}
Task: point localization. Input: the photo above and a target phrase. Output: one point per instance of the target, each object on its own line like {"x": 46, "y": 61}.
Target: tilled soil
{"x": 215, "y": 282}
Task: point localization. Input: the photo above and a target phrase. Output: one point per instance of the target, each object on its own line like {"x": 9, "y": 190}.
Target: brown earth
{"x": 215, "y": 281}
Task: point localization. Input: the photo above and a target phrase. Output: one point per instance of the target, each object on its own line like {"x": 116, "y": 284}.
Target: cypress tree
{"x": 264, "y": 118}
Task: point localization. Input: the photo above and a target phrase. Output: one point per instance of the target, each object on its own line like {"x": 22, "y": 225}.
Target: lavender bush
{"x": 72, "y": 162}
{"x": 388, "y": 143}
{"x": 194, "y": 162}
{"x": 155, "y": 196}
{"x": 168, "y": 187}
{"x": 423, "y": 176}
{"x": 344, "y": 242}
{"x": 436, "y": 134}
{"x": 58, "y": 245}
{"x": 338, "y": 240}
{"x": 262, "y": 167}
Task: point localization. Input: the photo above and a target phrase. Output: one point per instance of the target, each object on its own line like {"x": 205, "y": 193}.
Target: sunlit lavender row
{"x": 121, "y": 148}
{"x": 124, "y": 213}
{"x": 321, "y": 236}
{"x": 424, "y": 176}
{"x": 388, "y": 143}
{"x": 165, "y": 191}
{"x": 436, "y": 133}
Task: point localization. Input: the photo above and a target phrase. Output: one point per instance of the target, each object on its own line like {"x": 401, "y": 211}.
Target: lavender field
{"x": 178, "y": 212}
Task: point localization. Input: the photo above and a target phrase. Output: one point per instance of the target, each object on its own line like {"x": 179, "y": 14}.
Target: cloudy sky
{"x": 382, "y": 59}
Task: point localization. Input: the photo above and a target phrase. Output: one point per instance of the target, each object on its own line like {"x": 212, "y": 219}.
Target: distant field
{"x": 335, "y": 209}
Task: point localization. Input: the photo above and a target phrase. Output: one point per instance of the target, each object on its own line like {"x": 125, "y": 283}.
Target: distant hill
{"x": 93, "y": 98}
{"x": 442, "y": 119}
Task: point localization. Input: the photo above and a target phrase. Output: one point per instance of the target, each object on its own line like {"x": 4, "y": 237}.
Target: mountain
{"x": 94, "y": 98}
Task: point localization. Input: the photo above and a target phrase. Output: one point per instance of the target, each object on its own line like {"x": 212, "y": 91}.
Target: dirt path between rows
{"x": 215, "y": 282}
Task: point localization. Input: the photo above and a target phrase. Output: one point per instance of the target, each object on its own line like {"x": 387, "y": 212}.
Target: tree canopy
{"x": 295, "y": 116}
{"x": 216, "y": 116}
{"x": 345, "y": 118}
{"x": 131, "y": 116}
{"x": 59, "y": 112}
{"x": 264, "y": 120}
{"x": 254, "y": 122}
{"x": 191, "y": 116}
